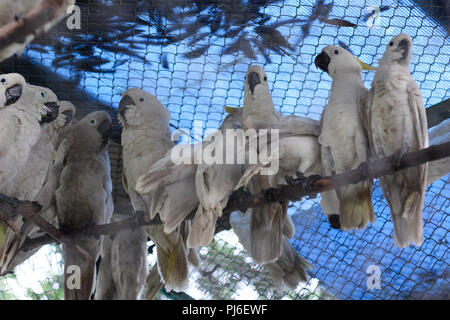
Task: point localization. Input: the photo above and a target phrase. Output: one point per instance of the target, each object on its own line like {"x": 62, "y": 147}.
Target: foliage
{"x": 112, "y": 32}
{"x": 226, "y": 269}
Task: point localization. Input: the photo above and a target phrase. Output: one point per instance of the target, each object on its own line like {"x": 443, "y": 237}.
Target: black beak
{"x": 52, "y": 114}
{"x": 105, "y": 130}
{"x": 69, "y": 115}
{"x": 13, "y": 94}
{"x": 322, "y": 61}
{"x": 126, "y": 101}
{"x": 252, "y": 80}
{"x": 404, "y": 44}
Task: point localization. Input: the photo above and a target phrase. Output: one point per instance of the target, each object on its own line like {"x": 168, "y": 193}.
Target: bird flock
{"x": 48, "y": 157}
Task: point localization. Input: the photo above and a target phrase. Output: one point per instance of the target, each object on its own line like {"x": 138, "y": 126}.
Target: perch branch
{"x": 54, "y": 232}
{"x": 367, "y": 171}
{"x": 17, "y": 31}
{"x": 139, "y": 219}
{"x": 438, "y": 113}
{"x": 297, "y": 189}
{"x": 11, "y": 207}
{"x": 31, "y": 244}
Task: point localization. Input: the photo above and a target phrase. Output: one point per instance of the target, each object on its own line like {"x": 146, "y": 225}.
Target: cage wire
{"x": 193, "y": 57}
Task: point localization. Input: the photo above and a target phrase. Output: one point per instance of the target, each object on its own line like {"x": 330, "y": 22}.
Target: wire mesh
{"x": 193, "y": 57}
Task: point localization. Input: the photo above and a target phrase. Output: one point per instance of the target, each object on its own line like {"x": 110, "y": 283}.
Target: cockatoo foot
{"x": 334, "y": 221}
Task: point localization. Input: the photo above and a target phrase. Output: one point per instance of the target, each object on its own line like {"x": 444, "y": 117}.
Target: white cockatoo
{"x": 123, "y": 268}
{"x": 173, "y": 182}
{"x": 31, "y": 178}
{"x": 46, "y": 198}
{"x": 20, "y": 127}
{"x": 298, "y": 151}
{"x": 21, "y": 123}
{"x": 11, "y": 88}
{"x": 145, "y": 139}
{"x": 396, "y": 124}
{"x": 84, "y": 198}
{"x": 343, "y": 140}
{"x": 214, "y": 182}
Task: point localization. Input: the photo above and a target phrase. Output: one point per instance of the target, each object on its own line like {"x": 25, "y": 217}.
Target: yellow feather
{"x": 230, "y": 109}
{"x": 365, "y": 66}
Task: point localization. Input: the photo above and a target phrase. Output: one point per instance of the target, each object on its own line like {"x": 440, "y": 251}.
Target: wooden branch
{"x": 138, "y": 220}
{"x": 242, "y": 200}
{"x": 52, "y": 230}
{"x": 303, "y": 187}
{"x": 31, "y": 244}
{"x": 17, "y": 31}
{"x": 438, "y": 113}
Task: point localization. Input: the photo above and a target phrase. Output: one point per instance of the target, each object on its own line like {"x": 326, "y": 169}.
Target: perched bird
{"x": 32, "y": 176}
{"x": 84, "y": 198}
{"x": 397, "y": 123}
{"x": 288, "y": 270}
{"x": 14, "y": 11}
{"x": 439, "y": 168}
{"x": 259, "y": 111}
{"x": 145, "y": 139}
{"x": 213, "y": 183}
{"x": 298, "y": 151}
{"x": 344, "y": 144}
{"x": 20, "y": 127}
{"x": 123, "y": 268}
{"x": 47, "y": 199}
{"x": 11, "y": 87}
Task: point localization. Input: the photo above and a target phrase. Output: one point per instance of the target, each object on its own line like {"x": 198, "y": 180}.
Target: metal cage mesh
{"x": 195, "y": 71}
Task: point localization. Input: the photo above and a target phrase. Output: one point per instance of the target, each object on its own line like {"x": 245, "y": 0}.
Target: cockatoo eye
{"x": 391, "y": 44}
{"x": 336, "y": 51}
{"x": 93, "y": 122}
{"x": 3, "y": 80}
{"x": 141, "y": 99}
{"x": 265, "y": 78}
{"x": 43, "y": 95}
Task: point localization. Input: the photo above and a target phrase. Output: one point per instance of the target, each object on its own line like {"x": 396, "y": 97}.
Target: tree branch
{"x": 438, "y": 113}
{"x": 33, "y": 243}
{"x": 295, "y": 190}
{"x": 303, "y": 187}
{"x": 17, "y": 31}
